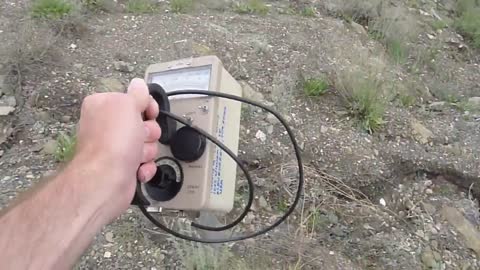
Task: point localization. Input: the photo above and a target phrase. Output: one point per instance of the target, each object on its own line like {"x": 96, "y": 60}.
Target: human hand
{"x": 121, "y": 145}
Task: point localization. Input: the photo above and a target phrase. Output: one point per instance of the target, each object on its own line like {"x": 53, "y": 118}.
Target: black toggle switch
{"x": 187, "y": 144}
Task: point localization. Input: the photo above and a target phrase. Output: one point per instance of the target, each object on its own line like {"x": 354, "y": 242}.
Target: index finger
{"x": 138, "y": 89}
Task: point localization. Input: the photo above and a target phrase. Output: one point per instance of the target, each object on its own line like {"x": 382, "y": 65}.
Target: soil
{"x": 387, "y": 210}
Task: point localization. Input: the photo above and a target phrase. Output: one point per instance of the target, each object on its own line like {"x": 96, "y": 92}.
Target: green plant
{"x": 438, "y": 24}
{"x": 407, "y": 100}
{"x": 308, "y": 12}
{"x": 97, "y": 5}
{"x": 282, "y": 206}
{"x": 65, "y": 147}
{"x": 252, "y": 7}
{"x": 469, "y": 25}
{"x": 51, "y": 9}
{"x": 181, "y": 6}
{"x": 315, "y": 87}
{"x": 397, "y": 51}
{"x": 363, "y": 97}
{"x": 140, "y": 6}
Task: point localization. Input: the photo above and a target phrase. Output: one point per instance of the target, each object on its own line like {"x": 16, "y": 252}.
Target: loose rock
{"x": 8, "y": 101}
{"x": 6, "y": 110}
{"x": 437, "y": 106}
{"x": 107, "y": 254}
{"x": 50, "y": 147}
{"x": 428, "y": 259}
{"x": 109, "y": 237}
{"x": 123, "y": 66}
{"x": 422, "y": 134}
{"x": 464, "y": 227}
{"x": 474, "y": 101}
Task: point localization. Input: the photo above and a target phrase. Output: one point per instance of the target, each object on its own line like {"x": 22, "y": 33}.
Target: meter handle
{"x": 168, "y": 127}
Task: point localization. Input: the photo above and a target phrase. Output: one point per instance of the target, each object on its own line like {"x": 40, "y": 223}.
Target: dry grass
{"x": 361, "y": 93}
{"x": 33, "y": 47}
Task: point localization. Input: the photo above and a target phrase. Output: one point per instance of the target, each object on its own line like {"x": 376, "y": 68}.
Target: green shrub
{"x": 252, "y": 7}
{"x": 315, "y": 87}
{"x": 99, "y": 5}
{"x": 362, "y": 95}
{"x": 140, "y": 6}
{"x": 181, "y": 6}
{"x": 469, "y": 25}
{"x": 66, "y": 144}
{"x": 308, "y": 12}
{"x": 51, "y": 9}
{"x": 397, "y": 51}
{"x": 407, "y": 100}
{"x": 439, "y": 24}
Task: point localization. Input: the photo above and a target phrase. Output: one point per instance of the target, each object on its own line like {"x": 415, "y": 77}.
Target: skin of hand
{"x": 51, "y": 225}
{"x": 112, "y": 130}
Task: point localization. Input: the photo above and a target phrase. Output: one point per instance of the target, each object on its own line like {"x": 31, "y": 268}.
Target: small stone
{"x": 271, "y": 119}
{"x": 129, "y": 255}
{"x": 429, "y": 208}
{"x": 109, "y": 237}
{"x": 261, "y": 136}
{"x": 6, "y": 110}
{"x": 44, "y": 116}
{"x": 428, "y": 183}
{"x": 428, "y": 259}
{"x": 110, "y": 85}
{"x": 66, "y": 118}
{"x": 123, "y": 66}
{"x": 383, "y": 202}
{"x": 428, "y": 191}
{"x": 422, "y": 134}
{"x": 50, "y": 147}
{"x": 78, "y": 66}
{"x": 8, "y": 101}
{"x": 270, "y": 129}
{"x": 323, "y": 129}
{"x": 107, "y": 254}
{"x": 437, "y": 106}
{"x": 262, "y": 202}
{"x": 431, "y": 37}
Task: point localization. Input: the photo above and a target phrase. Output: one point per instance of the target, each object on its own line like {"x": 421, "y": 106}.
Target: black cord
{"x": 296, "y": 149}
{"x": 235, "y": 158}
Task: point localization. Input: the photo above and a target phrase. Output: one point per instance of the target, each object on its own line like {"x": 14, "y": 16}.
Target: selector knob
{"x": 187, "y": 144}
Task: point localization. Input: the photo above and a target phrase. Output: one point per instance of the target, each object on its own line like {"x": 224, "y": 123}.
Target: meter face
{"x": 193, "y": 78}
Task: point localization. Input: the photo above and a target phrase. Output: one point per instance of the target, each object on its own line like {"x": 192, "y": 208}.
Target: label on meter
{"x": 217, "y": 178}
{"x": 190, "y": 78}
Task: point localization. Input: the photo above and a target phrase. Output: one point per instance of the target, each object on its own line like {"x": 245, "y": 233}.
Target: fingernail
{"x": 142, "y": 177}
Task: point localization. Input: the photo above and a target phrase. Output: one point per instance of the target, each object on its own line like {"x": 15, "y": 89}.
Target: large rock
{"x": 8, "y": 101}
{"x": 110, "y": 85}
{"x": 474, "y": 102}
{"x": 464, "y": 227}
{"x": 422, "y": 134}
{"x": 6, "y": 110}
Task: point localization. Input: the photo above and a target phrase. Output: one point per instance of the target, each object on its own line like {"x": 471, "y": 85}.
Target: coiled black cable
{"x": 287, "y": 213}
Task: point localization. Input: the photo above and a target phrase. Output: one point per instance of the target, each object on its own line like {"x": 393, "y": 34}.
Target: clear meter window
{"x": 193, "y": 78}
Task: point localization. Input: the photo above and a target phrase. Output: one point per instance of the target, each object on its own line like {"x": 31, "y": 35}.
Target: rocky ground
{"x": 404, "y": 197}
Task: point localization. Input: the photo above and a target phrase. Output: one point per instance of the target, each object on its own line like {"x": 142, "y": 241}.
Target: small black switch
{"x": 187, "y": 144}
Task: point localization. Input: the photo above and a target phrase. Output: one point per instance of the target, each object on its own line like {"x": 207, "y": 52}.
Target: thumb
{"x": 138, "y": 89}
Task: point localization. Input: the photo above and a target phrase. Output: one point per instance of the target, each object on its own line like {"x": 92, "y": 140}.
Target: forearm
{"x": 51, "y": 229}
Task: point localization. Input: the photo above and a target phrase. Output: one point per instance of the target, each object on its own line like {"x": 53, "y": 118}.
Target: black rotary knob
{"x": 187, "y": 144}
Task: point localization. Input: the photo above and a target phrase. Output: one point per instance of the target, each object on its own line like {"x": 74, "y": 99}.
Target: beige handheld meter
{"x": 193, "y": 173}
